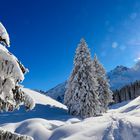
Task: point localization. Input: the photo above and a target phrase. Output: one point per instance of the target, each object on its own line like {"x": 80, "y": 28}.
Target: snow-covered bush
{"x": 6, "y": 135}
{"x": 105, "y": 94}
{"x": 81, "y": 96}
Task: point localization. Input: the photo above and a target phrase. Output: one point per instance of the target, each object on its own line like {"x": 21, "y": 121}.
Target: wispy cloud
{"x": 137, "y": 59}
{"x": 134, "y": 42}
{"x": 114, "y": 44}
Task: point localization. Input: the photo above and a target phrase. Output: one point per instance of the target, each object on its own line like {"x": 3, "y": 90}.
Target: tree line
{"x": 127, "y": 92}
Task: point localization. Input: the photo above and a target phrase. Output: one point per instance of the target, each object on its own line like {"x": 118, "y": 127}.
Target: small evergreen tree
{"x": 81, "y": 95}
{"x": 105, "y": 94}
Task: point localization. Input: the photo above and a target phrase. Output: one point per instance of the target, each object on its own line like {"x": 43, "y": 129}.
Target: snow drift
{"x": 49, "y": 121}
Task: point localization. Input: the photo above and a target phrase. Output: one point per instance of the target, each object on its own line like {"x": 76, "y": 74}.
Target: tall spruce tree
{"x": 105, "y": 94}
{"x": 81, "y": 96}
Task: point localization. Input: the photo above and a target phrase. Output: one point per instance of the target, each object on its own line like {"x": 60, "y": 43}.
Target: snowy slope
{"x": 57, "y": 92}
{"x": 118, "y": 77}
{"x": 122, "y": 76}
{"x": 42, "y": 99}
{"x": 50, "y": 121}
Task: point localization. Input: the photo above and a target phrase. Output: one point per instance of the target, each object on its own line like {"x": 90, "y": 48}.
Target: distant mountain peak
{"x": 118, "y": 77}
{"x": 137, "y": 66}
{"x": 119, "y": 70}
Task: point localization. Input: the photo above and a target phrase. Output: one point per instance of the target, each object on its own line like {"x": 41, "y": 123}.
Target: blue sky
{"x": 45, "y": 33}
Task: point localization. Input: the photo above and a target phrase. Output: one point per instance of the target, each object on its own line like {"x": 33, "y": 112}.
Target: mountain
{"x": 49, "y": 120}
{"x": 122, "y": 76}
{"x": 118, "y": 77}
{"x": 57, "y": 92}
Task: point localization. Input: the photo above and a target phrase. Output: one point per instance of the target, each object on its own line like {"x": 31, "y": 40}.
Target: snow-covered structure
{"x": 81, "y": 95}
{"x": 11, "y": 74}
{"x": 105, "y": 94}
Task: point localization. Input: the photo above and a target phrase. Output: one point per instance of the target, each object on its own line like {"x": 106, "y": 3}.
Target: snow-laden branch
{"x": 11, "y": 75}
{"x": 6, "y": 135}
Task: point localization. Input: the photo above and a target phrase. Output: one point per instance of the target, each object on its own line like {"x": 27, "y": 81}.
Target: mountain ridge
{"x": 118, "y": 77}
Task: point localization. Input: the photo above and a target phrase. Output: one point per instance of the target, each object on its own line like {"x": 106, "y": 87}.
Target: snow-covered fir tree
{"x": 81, "y": 96}
{"x": 105, "y": 94}
{"x": 11, "y": 74}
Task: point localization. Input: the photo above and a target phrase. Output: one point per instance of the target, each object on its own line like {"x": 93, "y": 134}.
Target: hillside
{"x": 121, "y": 75}
{"x": 50, "y": 121}
{"x": 57, "y": 92}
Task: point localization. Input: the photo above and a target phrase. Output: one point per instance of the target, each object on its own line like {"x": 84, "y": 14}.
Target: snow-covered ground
{"x": 50, "y": 121}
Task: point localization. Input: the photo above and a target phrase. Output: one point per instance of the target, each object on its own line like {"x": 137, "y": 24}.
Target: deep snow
{"x": 50, "y": 121}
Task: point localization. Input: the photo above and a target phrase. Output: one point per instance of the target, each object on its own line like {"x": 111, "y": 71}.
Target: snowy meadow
{"x": 92, "y": 104}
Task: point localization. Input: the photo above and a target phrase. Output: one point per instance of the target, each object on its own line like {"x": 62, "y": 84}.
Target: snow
{"x": 5, "y": 55}
{"x": 4, "y": 35}
{"x": 49, "y": 121}
{"x": 104, "y": 92}
{"x": 121, "y": 76}
{"x": 81, "y": 96}
{"x": 60, "y": 90}
{"x": 43, "y": 99}
{"x": 132, "y": 108}
{"x": 11, "y": 74}
{"x": 6, "y": 135}
{"x": 118, "y": 77}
